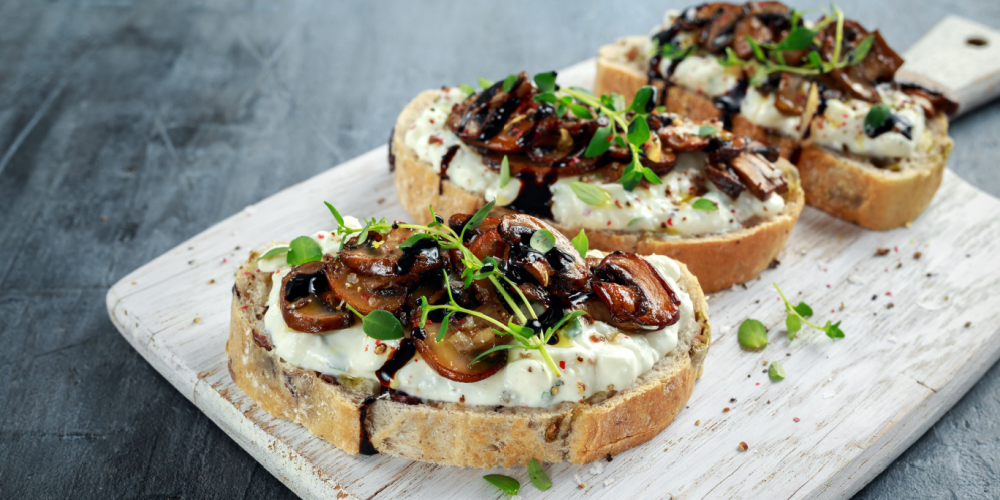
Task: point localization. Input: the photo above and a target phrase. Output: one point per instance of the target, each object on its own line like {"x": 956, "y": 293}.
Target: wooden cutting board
{"x": 922, "y": 325}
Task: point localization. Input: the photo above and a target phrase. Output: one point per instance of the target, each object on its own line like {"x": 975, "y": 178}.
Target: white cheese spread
{"x": 665, "y": 208}
{"x": 841, "y": 126}
{"x": 598, "y": 359}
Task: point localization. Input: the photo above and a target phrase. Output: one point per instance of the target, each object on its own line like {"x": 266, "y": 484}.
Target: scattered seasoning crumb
{"x": 608, "y": 457}
{"x": 211, "y": 282}
{"x": 380, "y": 349}
{"x": 788, "y": 354}
{"x": 697, "y": 422}
{"x": 899, "y": 265}
{"x": 968, "y": 324}
{"x": 888, "y": 294}
{"x": 917, "y": 255}
{"x": 725, "y": 410}
{"x": 890, "y": 305}
{"x": 768, "y": 401}
{"x": 732, "y": 400}
{"x": 841, "y": 306}
{"x": 766, "y": 362}
{"x": 796, "y": 420}
{"x": 133, "y": 282}
{"x": 197, "y": 320}
{"x": 929, "y": 275}
{"x": 882, "y": 252}
{"x": 945, "y": 297}
{"x": 758, "y": 383}
{"x": 743, "y": 446}
{"x": 874, "y": 296}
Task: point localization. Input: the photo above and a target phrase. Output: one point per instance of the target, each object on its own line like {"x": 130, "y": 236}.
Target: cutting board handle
{"x": 960, "y": 57}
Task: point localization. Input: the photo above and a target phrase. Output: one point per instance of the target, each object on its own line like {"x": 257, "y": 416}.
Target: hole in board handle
{"x": 977, "y": 41}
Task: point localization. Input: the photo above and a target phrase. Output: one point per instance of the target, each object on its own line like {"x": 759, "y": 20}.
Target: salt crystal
{"x": 828, "y": 395}
{"x": 597, "y": 468}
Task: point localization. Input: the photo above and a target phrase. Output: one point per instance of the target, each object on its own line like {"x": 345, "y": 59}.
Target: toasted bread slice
{"x": 347, "y": 412}
{"x": 848, "y": 186}
{"x": 718, "y": 260}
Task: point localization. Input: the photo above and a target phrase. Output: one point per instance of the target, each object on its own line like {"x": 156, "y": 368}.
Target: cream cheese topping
{"x": 841, "y": 126}
{"x": 760, "y": 110}
{"x": 703, "y": 75}
{"x": 598, "y": 358}
{"x": 665, "y": 208}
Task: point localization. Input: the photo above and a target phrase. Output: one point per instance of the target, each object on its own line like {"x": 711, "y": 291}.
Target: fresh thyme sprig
{"x": 527, "y": 332}
{"x": 798, "y": 314}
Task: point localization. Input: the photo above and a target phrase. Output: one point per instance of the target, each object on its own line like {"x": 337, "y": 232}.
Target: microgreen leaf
{"x": 589, "y": 193}
{"x": 478, "y": 218}
{"x": 798, "y": 314}
{"x": 634, "y": 220}
{"x": 752, "y": 334}
{"x": 467, "y": 89}
{"x": 641, "y": 101}
{"x": 671, "y": 51}
{"x": 638, "y": 131}
{"x": 444, "y": 327}
{"x": 336, "y": 214}
{"x": 861, "y": 50}
{"x": 776, "y": 372}
{"x": 509, "y": 82}
{"x": 538, "y": 476}
{"x": 804, "y": 310}
{"x": 546, "y": 97}
{"x": 495, "y": 349}
{"x": 705, "y": 204}
{"x": 757, "y": 51}
{"x": 504, "y": 172}
{"x": 799, "y": 38}
{"x": 412, "y": 240}
{"x": 581, "y": 244}
{"x": 876, "y": 116}
{"x": 600, "y": 143}
{"x": 272, "y": 252}
{"x": 382, "y": 325}
{"x": 617, "y": 102}
{"x": 631, "y": 176}
{"x": 620, "y": 142}
{"x": 793, "y": 324}
{"x": 833, "y": 331}
{"x": 303, "y": 249}
{"x": 581, "y": 111}
{"x": 506, "y": 484}
{"x": 546, "y": 82}
{"x": 485, "y": 84}
{"x": 543, "y": 240}
{"x": 731, "y": 58}
{"x": 561, "y": 108}
{"x": 707, "y": 130}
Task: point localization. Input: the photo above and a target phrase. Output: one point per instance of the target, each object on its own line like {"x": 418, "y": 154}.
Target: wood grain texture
{"x": 860, "y": 401}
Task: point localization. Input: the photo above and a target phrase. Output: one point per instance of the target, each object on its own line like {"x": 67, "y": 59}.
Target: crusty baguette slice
{"x": 847, "y": 186}
{"x": 719, "y": 260}
{"x": 455, "y": 434}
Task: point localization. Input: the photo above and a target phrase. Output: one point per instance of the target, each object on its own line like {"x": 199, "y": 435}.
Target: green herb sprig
{"x": 798, "y": 314}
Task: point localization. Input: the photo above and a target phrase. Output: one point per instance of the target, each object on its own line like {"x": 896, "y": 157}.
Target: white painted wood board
{"x": 860, "y": 400}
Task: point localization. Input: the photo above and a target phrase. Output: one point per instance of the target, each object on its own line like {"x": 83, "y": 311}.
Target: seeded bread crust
{"x": 452, "y": 433}
{"x": 719, "y": 260}
{"x": 844, "y": 185}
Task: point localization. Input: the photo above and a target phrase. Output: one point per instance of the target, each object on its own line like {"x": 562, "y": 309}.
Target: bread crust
{"x": 453, "y": 433}
{"x": 718, "y": 260}
{"x": 846, "y": 186}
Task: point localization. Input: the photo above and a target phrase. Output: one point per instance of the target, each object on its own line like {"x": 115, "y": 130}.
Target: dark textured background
{"x": 128, "y": 127}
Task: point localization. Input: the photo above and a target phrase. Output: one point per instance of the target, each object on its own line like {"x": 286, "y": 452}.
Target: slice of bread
{"x": 845, "y": 185}
{"x": 718, "y": 260}
{"x": 346, "y": 410}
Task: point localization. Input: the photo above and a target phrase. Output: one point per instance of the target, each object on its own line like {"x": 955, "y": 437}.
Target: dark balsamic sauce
{"x": 365, "y": 446}
{"x": 445, "y": 163}
{"x": 392, "y": 156}
{"x": 893, "y": 123}
{"x": 535, "y": 197}
{"x": 407, "y": 349}
{"x": 426, "y": 248}
{"x": 729, "y": 103}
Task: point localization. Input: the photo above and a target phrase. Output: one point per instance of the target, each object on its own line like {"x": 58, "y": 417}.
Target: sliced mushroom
{"x": 725, "y": 179}
{"x": 753, "y": 27}
{"x": 562, "y": 269}
{"x": 380, "y": 254}
{"x": 758, "y": 175}
{"x": 718, "y": 34}
{"x": 933, "y": 101}
{"x": 465, "y": 340}
{"x": 636, "y": 296}
{"x": 366, "y": 293}
{"x": 307, "y": 303}
{"x": 790, "y": 99}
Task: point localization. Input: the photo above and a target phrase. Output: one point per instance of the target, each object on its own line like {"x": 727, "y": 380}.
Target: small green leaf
{"x": 617, "y": 102}
{"x": 752, "y": 334}
{"x": 546, "y": 81}
{"x": 478, "y": 218}
{"x": 583, "y": 91}
{"x": 581, "y": 244}
{"x": 506, "y": 484}
{"x": 642, "y": 100}
{"x": 757, "y": 51}
{"x": 833, "y": 331}
{"x": 620, "y": 142}
{"x": 382, "y": 325}
{"x": 272, "y": 252}
{"x": 793, "y": 325}
{"x": 509, "y": 82}
{"x": 412, "y": 240}
{"x": 303, "y": 249}
{"x": 496, "y": 348}
{"x": 705, "y": 204}
{"x": 638, "y": 131}
{"x": 631, "y": 176}
{"x": 538, "y": 476}
{"x": 543, "y": 240}
{"x": 707, "y": 130}
{"x": 504, "y": 172}
{"x": 547, "y": 97}
{"x": 804, "y": 310}
{"x": 581, "y": 111}
{"x": 861, "y": 50}
{"x": 876, "y": 116}
{"x": 815, "y": 60}
{"x": 633, "y": 221}
{"x": 600, "y": 143}
{"x": 336, "y": 214}
{"x": 589, "y": 193}
{"x": 467, "y": 89}
{"x": 671, "y": 51}
{"x": 759, "y": 77}
{"x": 444, "y": 327}
{"x": 731, "y": 58}
{"x": 485, "y": 84}
{"x": 650, "y": 176}
{"x": 799, "y": 38}
{"x": 561, "y": 109}
{"x": 776, "y": 372}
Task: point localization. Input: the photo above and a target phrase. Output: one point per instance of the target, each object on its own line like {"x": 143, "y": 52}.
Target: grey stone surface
{"x": 127, "y": 127}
